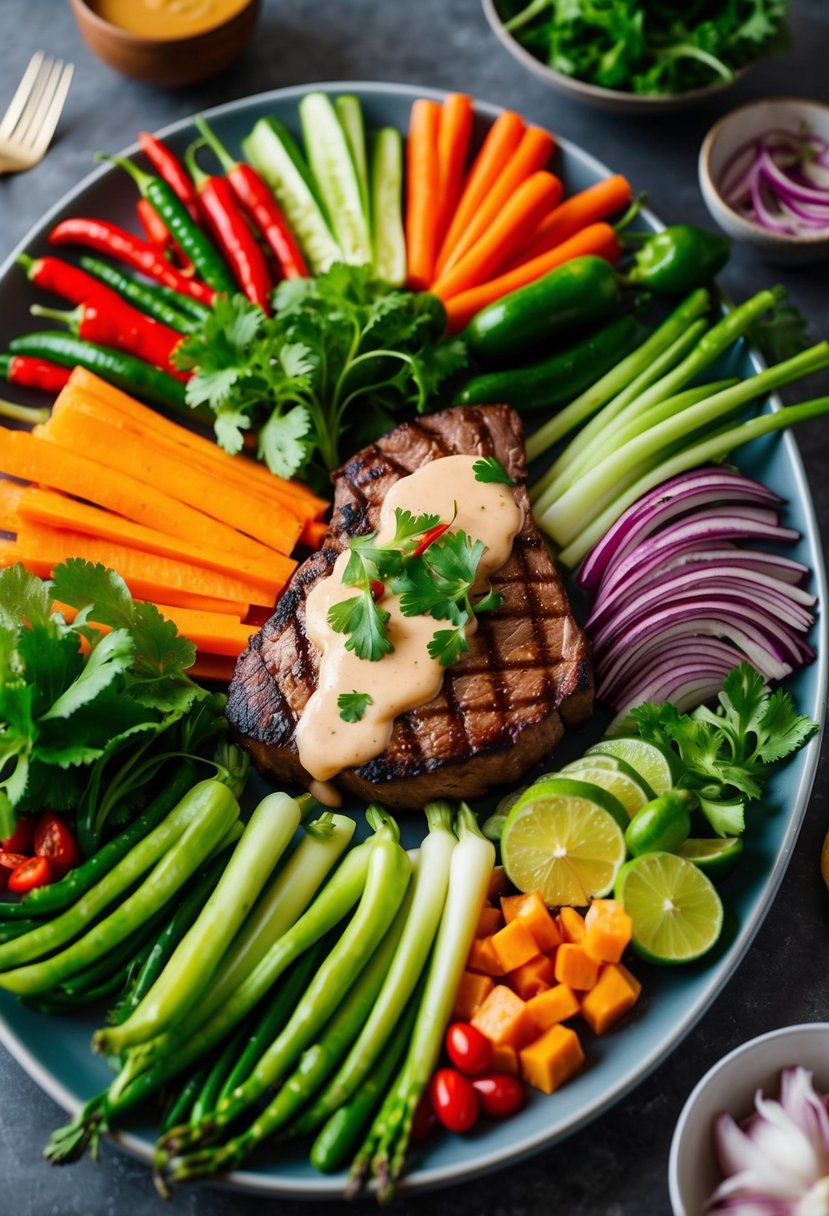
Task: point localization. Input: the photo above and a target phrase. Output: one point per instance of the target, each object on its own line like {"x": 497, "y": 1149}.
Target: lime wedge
{"x": 717, "y": 856}
{"x": 646, "y": 759}
{"x": 676, "y": 913}
{"x": 563, "y": 838}
{"x": 621, "y": 782}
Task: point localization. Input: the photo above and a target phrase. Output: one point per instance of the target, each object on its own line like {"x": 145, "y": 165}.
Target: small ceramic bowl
{"x": 615, "y": 100}
{"x": 693, "y": 1171}
{"x": 167, "y": 62}
{"x": 723, "y": 140}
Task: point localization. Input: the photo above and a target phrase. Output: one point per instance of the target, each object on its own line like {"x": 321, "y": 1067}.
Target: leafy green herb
{"x": 364, "y": 623}
{"x": 353, "y": 705}
{"x": 728, "y": 753}
{"x": 489, "y": 468}
{"x": 782, "y": 333}
{"x": 342, "y": 354}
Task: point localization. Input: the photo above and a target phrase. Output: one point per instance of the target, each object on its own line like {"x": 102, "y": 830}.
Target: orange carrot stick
{"x": 502, "y": 139}
{"x": 422, "y": 186}
{"x": 214, "y": 632}
{"x": 313, "y": 534}
{"x": 212, "y": 667}
{"x": 532, "y": 154}
{"x": 11, "y": 496}
{"x": 453, "y": 146}
{"x": 599, "y": 239}
{"x": 589, "y": 206}
{"x": 532, "y": 200}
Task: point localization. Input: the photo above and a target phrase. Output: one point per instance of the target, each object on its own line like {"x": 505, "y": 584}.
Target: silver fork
{"x": 29, "y": 123}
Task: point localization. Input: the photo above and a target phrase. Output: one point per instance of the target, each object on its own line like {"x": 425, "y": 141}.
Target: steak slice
{"x": 502, "y": 706}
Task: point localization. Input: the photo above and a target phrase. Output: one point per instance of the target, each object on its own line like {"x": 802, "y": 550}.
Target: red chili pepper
{"x": 377, "y": 589}
{"x": 33, "y": 872}
{"x": 429, "y": 537}
{"x": 115, "y": 323}
{"x": 130, "y": 249}
{"x": 62, "y": 278}
{"x": 29, "y": 372}
{"x": 168, "y": 167}
{"x": 256, "y": 197}
{"x": 231, "y": 233}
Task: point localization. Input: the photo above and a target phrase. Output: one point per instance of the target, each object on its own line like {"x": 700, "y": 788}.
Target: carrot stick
{"x": 599, "y": 239}
{"x": 31, "y": 458}
{"x": 533, "y": 153}
{"x": 213, "y": 632}
{"x": 74, "y": 430}
{"x": 313, "y": 534}
{"x": 58, "y": 511}
{"x": 11, "y": 496}
{"x": 502, "y": 139}
{"x": 9, "y": 553}
{"x": 453, "y": 146}
{"x": 532, "y": 200}
{"x": 212, "y": 667}
{"x": 422, "y": 186}
{"x": 587, "y": 207}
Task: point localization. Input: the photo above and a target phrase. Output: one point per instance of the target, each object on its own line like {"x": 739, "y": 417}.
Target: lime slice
{"x": 676, "y": 913}
{"x": 661, "y": 825}
{"x": 717, "y": 856}
{"x": 630, "y": 790}
{"x": 563, "y": 838}
{"x": 646, "y": 759}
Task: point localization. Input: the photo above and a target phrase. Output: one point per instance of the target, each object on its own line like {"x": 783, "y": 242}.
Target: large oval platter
{"x": 55, "y": 1051}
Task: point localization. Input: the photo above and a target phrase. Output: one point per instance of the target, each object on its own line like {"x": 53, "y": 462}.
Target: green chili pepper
{"x": 149, "y": 299}
{"x": 678, "y": 259}
{"x": 661, "y": 825}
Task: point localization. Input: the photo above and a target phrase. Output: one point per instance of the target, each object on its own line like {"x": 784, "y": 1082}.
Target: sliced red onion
{"x": 770, "y": 178}
{"x": 685, "y": 685}
{"x": 786, "y": 185}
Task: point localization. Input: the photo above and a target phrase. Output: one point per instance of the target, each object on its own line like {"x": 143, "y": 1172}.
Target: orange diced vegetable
{"x": 472, "y": 992}
{"x": 504, "y": 1059}
{"x": 630, "y": 979}
{"x": 571, "y": 925}
{"x": 514, "y": 945}
{"x": 532, "y": 910}
{"x": 532, "y": 977}
{"x": 608, "y": 930}
{"x": 552, "y": 1059}
{"x": 498, "y": 883}
{"x": 553, "y": 1006}
{"x": 503, "y": 1018}
{"x": 483, "y": 959}
{"x": 574, "y": 966}
{"x": 489, "y": 921}
{"x": 612, "y": 995}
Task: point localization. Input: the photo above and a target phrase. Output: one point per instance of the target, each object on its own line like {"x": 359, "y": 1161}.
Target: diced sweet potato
{"x": 504, "y": 1019}
{"x": 532, "y": 977}
{"x": 553, "y": 1006}
{"x": 498, "y": 884}
{"x": 489, "y": 921}
{"x": 575, "y": 967}
{"x": 483, "y": 959}
{"x": 631, "y": 979}
{"x": 532, "y": 910}
{"x": 571, "y": 925}
{"x": 612, "y": 995}
{"x": 504, "y": 1059}
{"x": 608, "y": 930}
{"x": 552, "y": 1059}
{"x": 472, "y": 992}
{"x": 514, "y": 945}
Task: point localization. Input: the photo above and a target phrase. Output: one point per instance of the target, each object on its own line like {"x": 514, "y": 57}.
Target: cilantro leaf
{"x": 447, "y": 645}
{"x": 23, "y": 598}
{"x": 111, "y": 657}
{"x": 281, "y": 441}
{"x": 353, "y": 705}
{"x": 365, "y": 624}
{"x": 782, "y": 334}
{"x": 490, "y": 469}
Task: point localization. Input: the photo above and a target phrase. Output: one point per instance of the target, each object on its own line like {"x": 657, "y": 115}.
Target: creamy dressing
{"x": 166, "y": 18}
{"x": 408, "y": 677}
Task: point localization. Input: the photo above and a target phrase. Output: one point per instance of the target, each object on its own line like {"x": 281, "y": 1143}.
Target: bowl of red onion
{"x": 754, "y": 1134}
{"x": 764, "y": 175}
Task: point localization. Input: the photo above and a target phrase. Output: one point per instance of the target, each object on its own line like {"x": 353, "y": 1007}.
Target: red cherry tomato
{"x": 424, "y": 1121}
{"x": 499, "y": 1094}
{"x": 55, "y": 839}
{"x": 31, "y": 873}
{"x": 468, "y": 1049}
{"x": 10, "y": 861}
{"x": 21, "y": 838}
{"x": 453, "y": 1099}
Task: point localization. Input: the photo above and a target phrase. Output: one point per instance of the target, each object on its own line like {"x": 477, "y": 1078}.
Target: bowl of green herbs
{"x": 639, "y": 56}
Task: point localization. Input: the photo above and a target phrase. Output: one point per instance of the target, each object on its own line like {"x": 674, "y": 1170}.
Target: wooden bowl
{"x": 167, "y": 62}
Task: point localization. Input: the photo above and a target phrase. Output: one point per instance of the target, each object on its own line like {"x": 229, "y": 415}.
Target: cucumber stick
{"x": 350, "y": 113}
{"x": 271, "y": 149}
{"x": 332, "y": 166}
{"x": 387, "y": 208}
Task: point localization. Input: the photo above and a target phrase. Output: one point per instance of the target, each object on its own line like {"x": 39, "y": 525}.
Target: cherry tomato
{"x": 453, "y": 1099}
{"x": 499, "y": 1094}
{"x": 55, "y": 839}
{"x": 31, "y": 873}
{"x": 21, "y": 838}
{"x": 10, "y": 861}
{"x": 468, "y": 1049}
{"x": 424, "y": 1121}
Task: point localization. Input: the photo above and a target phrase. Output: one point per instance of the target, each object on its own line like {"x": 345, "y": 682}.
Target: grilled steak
{"x": 502, "y": 705}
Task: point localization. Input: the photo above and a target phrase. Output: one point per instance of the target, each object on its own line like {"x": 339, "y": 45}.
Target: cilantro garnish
{"x": 352, "y": 705}
{"x": 727, "y": 754}
{"x": 489, "y": 468}
{"x": 342, "y": 354}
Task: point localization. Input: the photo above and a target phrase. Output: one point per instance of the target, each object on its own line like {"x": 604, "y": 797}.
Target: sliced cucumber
{"x": 350, "y": 113}
{"x": 329, "y": 158}
{"x": 387, "y": 206}
{"x": 271, "y": 149}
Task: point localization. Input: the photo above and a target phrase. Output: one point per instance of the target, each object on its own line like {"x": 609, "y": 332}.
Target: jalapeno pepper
{"x": 195, "y": 243}
{"x": 678, "y": 259}
{"x": 231, "y": 232}
{"x": 113, "y": 322}
{"x": 256, "y": 197}
{"x": 149, "y": 300}
{"x": 168, "y": 167}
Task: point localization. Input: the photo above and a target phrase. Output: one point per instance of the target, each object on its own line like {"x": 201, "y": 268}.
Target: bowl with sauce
{"x": 168, "y": 43}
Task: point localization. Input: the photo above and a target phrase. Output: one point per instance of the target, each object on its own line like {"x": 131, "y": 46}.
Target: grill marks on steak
{"x": 502, "y": 705}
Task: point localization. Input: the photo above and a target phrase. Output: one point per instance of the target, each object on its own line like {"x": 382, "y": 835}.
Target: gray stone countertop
{"x": 618, "y": 1165}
